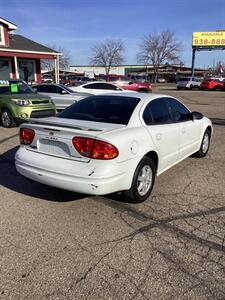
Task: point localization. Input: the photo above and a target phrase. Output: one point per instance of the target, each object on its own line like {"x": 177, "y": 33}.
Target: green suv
{"x": 18, "y": 102}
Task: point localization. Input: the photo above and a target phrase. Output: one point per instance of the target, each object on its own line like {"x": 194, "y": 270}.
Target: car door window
{"x": 102, "y": 86}
{"x": 52, "y": 89}
{"x": 159, "y": 111}
{"x": 91, "y": 86}
{"x": 178, "y": 111}
{"x": 40, "y": 88}
{"x": 108, "y": 86}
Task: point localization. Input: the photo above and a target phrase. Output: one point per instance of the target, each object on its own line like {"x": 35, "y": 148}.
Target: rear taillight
{"x": 83, "y": 145}
{"x": 26, "y": 136}
{"x": 96, "y": 149}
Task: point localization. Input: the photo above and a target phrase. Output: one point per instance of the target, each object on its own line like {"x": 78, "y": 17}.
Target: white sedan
{"x": 110, "y": 143}
{"x": 97, "y": 88}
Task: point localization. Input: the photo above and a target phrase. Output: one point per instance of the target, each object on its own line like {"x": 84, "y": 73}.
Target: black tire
{"x": 143, "y": 91}
{"x": 7, "y": 119}
{"x": 204, "y": 148}
{"x": 217, "y": 88}
{"x": 139, "y": 193}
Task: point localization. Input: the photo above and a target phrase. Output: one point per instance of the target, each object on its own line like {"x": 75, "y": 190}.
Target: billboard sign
{"x": 207, "y": 39}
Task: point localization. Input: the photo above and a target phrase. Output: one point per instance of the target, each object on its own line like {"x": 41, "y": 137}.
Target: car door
{"x": 164, "y": 133}
{"x": 189, "y": 130}
{"x": 62, "y": 97}
{"x": 56, "y": 93}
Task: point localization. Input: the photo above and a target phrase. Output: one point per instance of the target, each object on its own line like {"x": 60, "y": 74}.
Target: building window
{"x": 4, "y": 69}
{"x": 2, "y": 38}
{"x": 26, "y": 70}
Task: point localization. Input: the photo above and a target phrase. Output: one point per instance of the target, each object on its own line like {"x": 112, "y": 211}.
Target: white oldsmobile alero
{"x": 109, "y": 143}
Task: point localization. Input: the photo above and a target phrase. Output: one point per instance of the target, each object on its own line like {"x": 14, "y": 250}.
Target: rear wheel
{"x": 7, "y": 119}
{"x": 143, "y": 181}
{"x": 143, "y": 91}
{"x": 204, "y": 148}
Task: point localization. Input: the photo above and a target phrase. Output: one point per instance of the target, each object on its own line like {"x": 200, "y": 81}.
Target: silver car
{"x": 61, "y": 95}
{"x": 188, "y": 83}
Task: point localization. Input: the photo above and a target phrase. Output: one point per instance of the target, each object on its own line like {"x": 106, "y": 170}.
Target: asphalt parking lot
{"x": 60, "y": 245}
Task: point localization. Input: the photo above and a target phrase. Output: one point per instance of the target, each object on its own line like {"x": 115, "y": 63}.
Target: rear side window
{"x": 104, "y": 109}
{"x": 147, "y": 116}
{"x": 184, "y": 79}
{"x": 159, "y": 111}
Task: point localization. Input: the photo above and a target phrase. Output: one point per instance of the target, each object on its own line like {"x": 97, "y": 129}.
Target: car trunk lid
{"x": 53, "y": 136}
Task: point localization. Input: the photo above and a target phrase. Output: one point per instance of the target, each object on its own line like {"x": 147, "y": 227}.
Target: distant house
{"x": 21, "y": 57}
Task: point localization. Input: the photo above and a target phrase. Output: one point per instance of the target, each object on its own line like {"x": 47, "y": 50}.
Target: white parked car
{"x": 188, "y": 83}
{"x": 97, "y": 88}
{"x": 61, "y": 95}
{"x": 110, "y": 143}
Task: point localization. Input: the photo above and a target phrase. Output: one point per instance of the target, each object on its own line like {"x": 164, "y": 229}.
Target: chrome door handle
{"x": 158, "y": 136}
{"x": 183, "y": 130}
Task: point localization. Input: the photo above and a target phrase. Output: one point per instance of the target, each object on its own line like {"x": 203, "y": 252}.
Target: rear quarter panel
{"x": 133, "y": 143}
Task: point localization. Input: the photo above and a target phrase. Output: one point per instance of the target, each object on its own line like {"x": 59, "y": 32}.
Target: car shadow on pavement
{"x": 12, "y": 180}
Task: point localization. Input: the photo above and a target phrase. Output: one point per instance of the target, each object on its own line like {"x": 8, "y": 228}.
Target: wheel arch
{"x": 154, "y": 156}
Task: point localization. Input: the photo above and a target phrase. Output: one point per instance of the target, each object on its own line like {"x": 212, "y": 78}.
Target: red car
{"x": 74, "y": 80}
{"x": 128, "y": 84}
{"x": 212, "y": 84}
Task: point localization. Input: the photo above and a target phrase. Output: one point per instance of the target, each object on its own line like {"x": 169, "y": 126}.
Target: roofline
{"x": 132, "y": 65}
{"x": 9, "y": 24}
{"x": 32, "y": 52}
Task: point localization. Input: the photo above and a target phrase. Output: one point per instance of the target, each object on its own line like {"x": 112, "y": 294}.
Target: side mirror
{"x": 35, "y": 90}
{"x": 63, "y": 92}
{"x": 196, "y": 115}
{"x": 131, "y": 82}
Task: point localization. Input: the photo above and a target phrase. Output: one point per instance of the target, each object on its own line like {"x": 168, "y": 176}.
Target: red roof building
{"x": 21, "y": 57}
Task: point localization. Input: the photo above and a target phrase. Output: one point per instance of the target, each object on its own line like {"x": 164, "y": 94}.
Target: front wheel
{"x": 143, "y": 181}
{"x": 7, "y": 119}
{"x": 202, "y": 152}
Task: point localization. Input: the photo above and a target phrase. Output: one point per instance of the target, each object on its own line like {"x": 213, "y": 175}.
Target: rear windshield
{"x": 184, "y": 79}
{"x": 105, "y": 109}
{"x": 14, "y": 87}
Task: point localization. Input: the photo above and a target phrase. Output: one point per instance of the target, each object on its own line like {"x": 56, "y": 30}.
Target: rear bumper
{"x": 80, "y": 177}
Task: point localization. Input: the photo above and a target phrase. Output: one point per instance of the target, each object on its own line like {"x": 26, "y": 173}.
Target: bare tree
{"x": 107, "y": 54}
{"x": 64, "y": 59}
{"x": 159, "y": 48}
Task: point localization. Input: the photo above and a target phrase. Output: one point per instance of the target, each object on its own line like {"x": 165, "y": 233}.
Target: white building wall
{"x": 119, "y": 70}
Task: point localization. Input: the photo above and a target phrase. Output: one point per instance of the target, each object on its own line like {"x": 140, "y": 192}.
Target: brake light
{"x": 96, "y": 149}
{"x": 83, "y": 145}
{"x": 103, "y": 150}
{"x": 26, "y": 136}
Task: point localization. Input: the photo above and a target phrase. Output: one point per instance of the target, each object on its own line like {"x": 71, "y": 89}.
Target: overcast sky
{"x": 78, "y": 24}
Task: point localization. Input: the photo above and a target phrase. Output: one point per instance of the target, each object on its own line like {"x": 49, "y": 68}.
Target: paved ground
{"x": 60, "y": 245}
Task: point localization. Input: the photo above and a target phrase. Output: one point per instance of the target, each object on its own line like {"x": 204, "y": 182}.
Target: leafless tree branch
{"x": 107, "y": 54}
{"x": 64, "y": 59}
{"x": 159, "y": 48}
